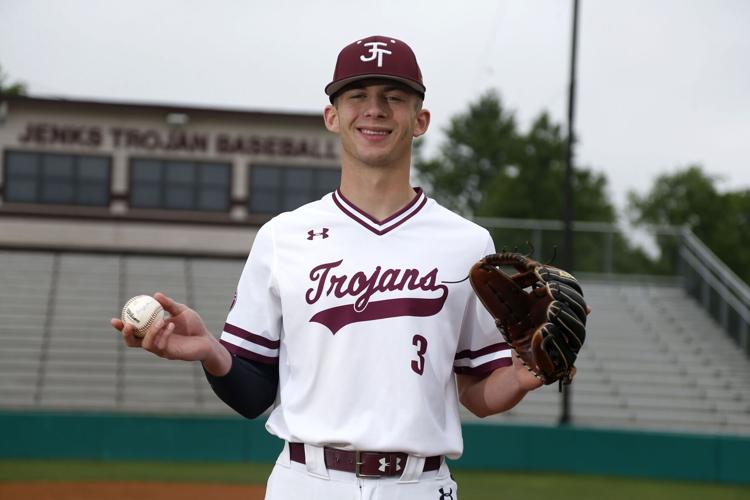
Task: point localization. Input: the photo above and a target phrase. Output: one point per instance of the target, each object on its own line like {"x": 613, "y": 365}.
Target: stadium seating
{"x": 653, "y": 359}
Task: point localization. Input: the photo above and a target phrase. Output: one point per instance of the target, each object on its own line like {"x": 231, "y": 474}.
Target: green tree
{"x": 481, "y": 144}
{"x": 533, "y": 187}
{"x": 690, "y": 197}
{"x": 734, "y": 250}
{"x": 7, "y": 88}
{"x": 686, "y": 197}
{"x": 488, "y": 167}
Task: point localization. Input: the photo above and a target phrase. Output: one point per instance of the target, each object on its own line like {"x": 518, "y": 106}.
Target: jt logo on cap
{"x": 376, "y": 51}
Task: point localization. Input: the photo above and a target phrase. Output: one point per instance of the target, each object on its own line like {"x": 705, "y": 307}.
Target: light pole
{"x": 568, "y": 215}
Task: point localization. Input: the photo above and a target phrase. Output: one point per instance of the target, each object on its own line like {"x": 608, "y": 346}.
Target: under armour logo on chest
{"x": 312, "y": 234}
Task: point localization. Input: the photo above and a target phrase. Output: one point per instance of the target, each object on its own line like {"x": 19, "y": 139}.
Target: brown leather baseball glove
{"x": 539, "y": 310}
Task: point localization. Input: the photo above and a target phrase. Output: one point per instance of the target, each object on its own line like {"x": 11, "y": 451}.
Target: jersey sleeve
{"x": 481, "y": 347}
{"x": 253, "y": 327}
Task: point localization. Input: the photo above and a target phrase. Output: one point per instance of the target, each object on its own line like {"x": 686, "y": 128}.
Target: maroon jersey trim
{"x": 380, "y": 227}
{"x": 484, "y": 369}
{"x": 354, "y": 207}
{"x": 251, "y": 337}
{"x": 469, "y": 354}
{"x": 244, "y": 353}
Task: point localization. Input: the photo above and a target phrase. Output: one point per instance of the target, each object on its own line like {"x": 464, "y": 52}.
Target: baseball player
{"x": 351, "y": 317}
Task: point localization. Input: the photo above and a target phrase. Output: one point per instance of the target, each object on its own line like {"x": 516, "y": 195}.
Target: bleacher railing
{"x": 716, "y": 287}
{"x": 599, "y": 247}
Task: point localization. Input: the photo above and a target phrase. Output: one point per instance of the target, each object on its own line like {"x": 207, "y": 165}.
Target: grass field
{"x": 474, "y": 485}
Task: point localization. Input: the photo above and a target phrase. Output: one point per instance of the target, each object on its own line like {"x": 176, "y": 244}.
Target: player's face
{"x": 376, "y": 122}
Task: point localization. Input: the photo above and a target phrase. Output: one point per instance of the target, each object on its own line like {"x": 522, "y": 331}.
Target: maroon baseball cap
{"x": 376, "y": 57}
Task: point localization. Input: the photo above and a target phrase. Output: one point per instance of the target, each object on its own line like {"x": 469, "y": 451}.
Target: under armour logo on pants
{"x": 446, "y": 495}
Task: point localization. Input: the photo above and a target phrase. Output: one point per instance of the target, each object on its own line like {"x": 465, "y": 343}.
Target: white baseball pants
{"x": 313, "y": 481}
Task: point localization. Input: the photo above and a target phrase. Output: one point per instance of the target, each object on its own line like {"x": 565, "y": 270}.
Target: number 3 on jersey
{"x": 421, "y": 344}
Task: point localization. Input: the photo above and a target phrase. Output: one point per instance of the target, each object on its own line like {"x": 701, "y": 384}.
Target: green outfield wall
{"x": 571, "y": 449}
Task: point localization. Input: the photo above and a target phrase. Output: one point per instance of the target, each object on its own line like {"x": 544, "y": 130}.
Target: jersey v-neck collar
{"x": 380, "y": 227}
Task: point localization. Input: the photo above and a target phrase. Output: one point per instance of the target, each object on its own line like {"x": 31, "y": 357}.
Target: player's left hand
{"x": 527, "y": 381}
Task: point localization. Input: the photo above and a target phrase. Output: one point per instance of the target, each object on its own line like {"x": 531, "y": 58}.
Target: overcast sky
{"x": 661, "y": 83}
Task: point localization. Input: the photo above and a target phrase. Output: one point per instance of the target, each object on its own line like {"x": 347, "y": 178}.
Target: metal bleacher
{"x": 57, "y": 350}
{"x": 653, "y": 358}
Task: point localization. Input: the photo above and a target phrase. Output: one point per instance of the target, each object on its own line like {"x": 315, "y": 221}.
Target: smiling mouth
{"x": 374, "y": 133}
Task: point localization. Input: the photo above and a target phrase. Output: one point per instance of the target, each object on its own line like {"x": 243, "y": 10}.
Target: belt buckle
{"x": 358, "y": 464}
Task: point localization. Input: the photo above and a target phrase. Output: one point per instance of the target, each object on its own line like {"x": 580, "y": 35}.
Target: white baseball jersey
{"x": 365, "y": 327}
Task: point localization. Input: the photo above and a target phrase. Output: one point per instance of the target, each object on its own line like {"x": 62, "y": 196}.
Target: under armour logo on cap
{"x": 376, "y": 57}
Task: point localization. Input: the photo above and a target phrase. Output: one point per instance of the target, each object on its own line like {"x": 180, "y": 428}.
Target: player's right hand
{"x": 128, "y": 332}
{"x": 182, "y": 335}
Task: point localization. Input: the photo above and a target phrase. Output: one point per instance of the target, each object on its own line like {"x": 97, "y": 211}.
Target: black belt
{"x": 364, "y": 463}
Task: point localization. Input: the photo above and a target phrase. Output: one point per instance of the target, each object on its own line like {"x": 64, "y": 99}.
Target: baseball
{"x": 142, "y": 311}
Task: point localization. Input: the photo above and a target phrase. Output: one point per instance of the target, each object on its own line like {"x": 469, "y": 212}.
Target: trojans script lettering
{"x": 361, "y": 287}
